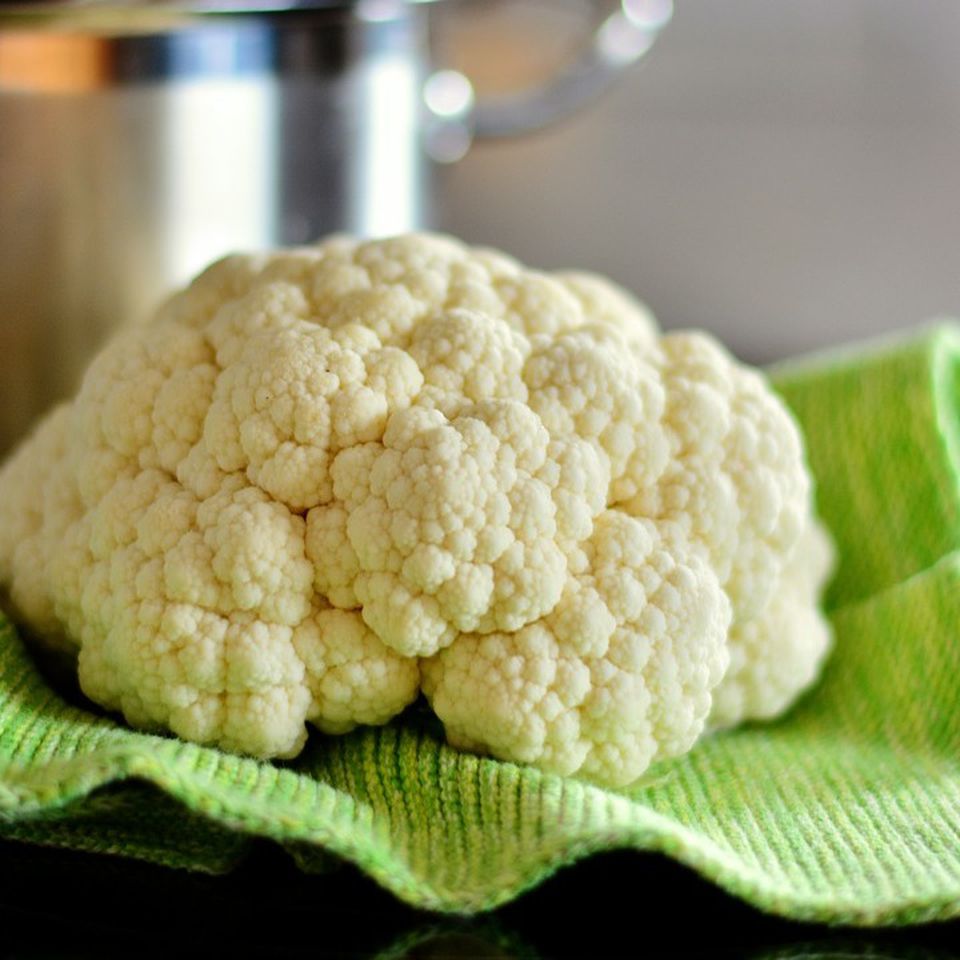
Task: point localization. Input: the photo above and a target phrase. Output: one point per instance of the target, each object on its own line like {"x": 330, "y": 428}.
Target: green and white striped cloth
{"x": 846, "y": 811}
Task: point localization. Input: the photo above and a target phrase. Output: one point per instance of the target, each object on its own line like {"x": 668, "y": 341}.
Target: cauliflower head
{"x": 323, "y": 480}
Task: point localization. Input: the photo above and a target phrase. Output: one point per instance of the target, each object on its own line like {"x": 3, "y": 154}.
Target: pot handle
{"x": 626, "y": 30}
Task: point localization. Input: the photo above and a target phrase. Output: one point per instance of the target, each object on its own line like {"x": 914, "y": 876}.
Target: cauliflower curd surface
{"x": 325, "y": 479}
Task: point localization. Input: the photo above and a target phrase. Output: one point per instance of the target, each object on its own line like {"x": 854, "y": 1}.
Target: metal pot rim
{"x": 21, "y": 13}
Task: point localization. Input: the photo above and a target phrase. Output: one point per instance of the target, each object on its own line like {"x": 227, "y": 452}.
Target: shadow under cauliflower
{"x": 324, "y": 479}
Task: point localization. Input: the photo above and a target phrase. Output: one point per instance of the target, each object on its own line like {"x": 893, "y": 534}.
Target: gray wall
{"x": 785, "y": 174}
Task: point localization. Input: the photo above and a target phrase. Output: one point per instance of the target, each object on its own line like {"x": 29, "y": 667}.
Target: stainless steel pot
{"x": 140, "y": 139}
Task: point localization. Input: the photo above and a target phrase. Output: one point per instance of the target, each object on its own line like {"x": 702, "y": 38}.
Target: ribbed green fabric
{"x": 848, "y": 810}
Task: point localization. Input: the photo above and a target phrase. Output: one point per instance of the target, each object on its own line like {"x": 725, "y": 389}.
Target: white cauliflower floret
{"x": 617, "y": 676}
{"x": 734, "y": 477}
{"x": 612, "y": 307}
{"x": 780, "y": 652}
{"x": 451, "y": 529}
{"x": 586, "y": 384}
{"x": 32, "y": 526}
{"x": 467, "y": 357}
{"x": 324, "y": 479}
{"x": 353, "y": 676}
{"x": 295, "y": 396}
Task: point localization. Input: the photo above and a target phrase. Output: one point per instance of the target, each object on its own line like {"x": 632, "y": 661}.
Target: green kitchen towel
{"x": 845, "y": 811}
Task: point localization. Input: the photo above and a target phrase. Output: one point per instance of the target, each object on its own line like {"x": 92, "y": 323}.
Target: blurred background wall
{"x": 786, "y": 174}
